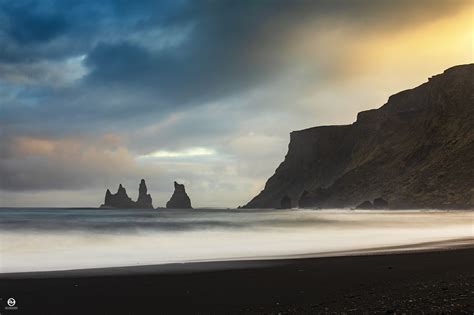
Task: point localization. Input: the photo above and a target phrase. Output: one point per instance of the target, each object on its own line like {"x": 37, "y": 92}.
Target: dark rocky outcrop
{"x": 144, "y": 200}
{"x": 179, "y": 199}
{"x": 380, "y": 203}
{"x": 416, "y": 151}
{"x": 285, "y": 203}
{"x": 366, "y": 205}
{"x": 121, "y": 200}
{"x": 118, "y": 200}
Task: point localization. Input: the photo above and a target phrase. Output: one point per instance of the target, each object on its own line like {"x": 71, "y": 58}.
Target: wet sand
{"x": 427, "y": 280}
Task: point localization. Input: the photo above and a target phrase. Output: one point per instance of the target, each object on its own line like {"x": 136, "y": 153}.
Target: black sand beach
{"x": 440, "y": 281}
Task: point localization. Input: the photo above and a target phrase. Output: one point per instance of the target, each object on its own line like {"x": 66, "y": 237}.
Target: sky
{"x": 97, "y": 93}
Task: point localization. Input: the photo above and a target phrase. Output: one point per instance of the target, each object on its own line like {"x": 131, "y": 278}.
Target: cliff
{"x": 416, "y": 151}
{"x": 179, "y": 199}
{"x": 121, "y": 200}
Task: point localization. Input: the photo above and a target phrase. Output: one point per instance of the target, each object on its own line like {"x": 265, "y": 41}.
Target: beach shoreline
{"x": 243, "y": 262}
{"x": 431, "y": 280}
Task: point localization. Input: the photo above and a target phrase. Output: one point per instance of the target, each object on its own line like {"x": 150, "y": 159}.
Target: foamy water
{"x": 63, "y": 239}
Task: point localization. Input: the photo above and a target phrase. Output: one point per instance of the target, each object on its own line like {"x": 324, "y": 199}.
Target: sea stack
{"x": 144, "y": 200}
{"x": 179, "y": 199}
{"x": 120, "y": 200}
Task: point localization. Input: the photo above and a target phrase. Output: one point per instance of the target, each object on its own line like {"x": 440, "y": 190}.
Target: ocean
{"x": 44, "y": 239}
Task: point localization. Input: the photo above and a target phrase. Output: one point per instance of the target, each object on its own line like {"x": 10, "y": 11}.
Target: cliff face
{"x": 179, "y": 199}
{"x": 121, "y": 200}
{"x": 417, "y": 150}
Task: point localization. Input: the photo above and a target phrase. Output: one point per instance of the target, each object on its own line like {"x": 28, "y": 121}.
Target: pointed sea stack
{"x": 179, "y": 199}
{"x": 118, "y": 200}
{"x": 144, "y": 200}
{"x": 121, "y": 200}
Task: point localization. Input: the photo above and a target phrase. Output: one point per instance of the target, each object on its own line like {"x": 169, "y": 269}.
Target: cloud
{"x": 188, "y": 153}
{"x": 44, "y": 73}
{"x": 26, "y": 22}
{"x": 29, "y": 163}
{"x": 153, "y": 58}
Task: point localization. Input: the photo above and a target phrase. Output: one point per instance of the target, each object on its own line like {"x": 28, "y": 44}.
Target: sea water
{"x": 41, "y": 239}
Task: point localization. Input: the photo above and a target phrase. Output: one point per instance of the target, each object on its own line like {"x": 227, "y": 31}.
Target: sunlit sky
{"x": 97, "y": 93}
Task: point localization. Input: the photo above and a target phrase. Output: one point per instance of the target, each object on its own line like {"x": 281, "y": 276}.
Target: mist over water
{"x": 61, "y": 239}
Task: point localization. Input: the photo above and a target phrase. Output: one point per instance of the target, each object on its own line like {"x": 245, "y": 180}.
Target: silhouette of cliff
{"x": 416, "y": 151}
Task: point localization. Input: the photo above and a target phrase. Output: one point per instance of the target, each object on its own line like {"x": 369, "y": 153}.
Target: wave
{"x": 64, "y": 239}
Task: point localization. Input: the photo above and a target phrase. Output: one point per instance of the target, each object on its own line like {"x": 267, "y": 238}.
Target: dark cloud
{"x": 27, "y": 26}
{"x": 52, "y": 29}
{"x": 234, "y": 45}
{"x": 28, "y": 30}
{"x": 195, "y": 52}
{"x": 34, "y": 30}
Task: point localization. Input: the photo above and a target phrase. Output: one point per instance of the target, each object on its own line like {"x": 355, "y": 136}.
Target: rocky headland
{"x": 179, "y": 199}
{"x": 416, "y": 151}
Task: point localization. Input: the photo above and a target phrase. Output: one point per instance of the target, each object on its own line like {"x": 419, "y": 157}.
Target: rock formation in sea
{"x": 118, "y": 200}
{"x": 121, "y": 200}
{"x": 144, "y": 200}
{"x": 378, "y": 204}
{"x": 179, "y": 199}
{"x": 416, "y": 151}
